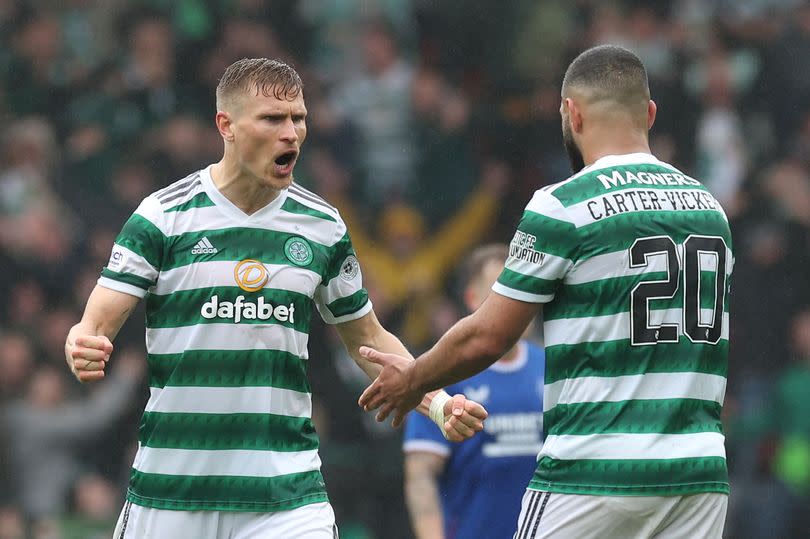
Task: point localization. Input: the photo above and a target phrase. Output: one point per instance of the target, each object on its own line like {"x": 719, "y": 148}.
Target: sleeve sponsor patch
{"x": 350, "y": 268}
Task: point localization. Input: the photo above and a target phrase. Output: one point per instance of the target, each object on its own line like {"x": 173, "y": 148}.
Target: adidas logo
{"x": 203, "y": 247}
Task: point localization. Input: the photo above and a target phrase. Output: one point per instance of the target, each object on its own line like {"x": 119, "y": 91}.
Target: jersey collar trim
{"x": 229, "y": 208}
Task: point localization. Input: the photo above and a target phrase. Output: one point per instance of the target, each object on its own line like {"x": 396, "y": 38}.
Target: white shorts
{"x": 314, "y": 521}
{"x": 547, "y": 515}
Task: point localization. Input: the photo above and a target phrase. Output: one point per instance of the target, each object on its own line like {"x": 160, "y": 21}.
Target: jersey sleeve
{"x": 541, "y": 253}
{"x": 137, "y": 253}
{"x": 341, "y": 297}
{"x": 422, "y": 434}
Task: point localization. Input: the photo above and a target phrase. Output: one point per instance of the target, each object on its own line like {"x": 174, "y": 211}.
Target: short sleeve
{"x": 341, "y": 297}
{"x": 422, "y": 434}
{"x": 541, "y": 252}
{"x": 137, "y": 253}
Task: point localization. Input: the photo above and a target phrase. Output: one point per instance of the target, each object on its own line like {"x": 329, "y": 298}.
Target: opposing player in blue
{"x": 473, "y": 489}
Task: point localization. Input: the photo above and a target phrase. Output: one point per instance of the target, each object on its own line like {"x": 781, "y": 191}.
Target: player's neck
{"x": 246, "y": 193}
{"x": 614, "y": 141}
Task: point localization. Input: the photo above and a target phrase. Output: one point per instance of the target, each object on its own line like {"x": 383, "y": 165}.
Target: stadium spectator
{"x": 45, "y": 451}
{"x": 473, "y": 489}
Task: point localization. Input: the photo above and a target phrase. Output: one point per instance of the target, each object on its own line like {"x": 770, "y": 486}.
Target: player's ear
{"x": 224, "y": 125}
{"x": 652, "y": 110}
{"x": 574, "y": 115}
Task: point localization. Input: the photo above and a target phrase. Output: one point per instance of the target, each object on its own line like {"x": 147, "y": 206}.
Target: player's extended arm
{"x": 470, "y": 346}
{"x": 422, "y": 471}
{"x": 89, "y": 343}
{"x": 466, "y": 416}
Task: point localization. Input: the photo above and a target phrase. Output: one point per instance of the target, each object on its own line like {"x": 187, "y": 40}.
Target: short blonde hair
{"x": 270, "y": 77}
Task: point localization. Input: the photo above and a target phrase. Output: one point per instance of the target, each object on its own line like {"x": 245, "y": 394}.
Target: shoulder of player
{"x": 178, "y": 192}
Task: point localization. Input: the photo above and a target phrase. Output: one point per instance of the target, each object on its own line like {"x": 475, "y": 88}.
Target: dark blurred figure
{"x": 45, "y": 451}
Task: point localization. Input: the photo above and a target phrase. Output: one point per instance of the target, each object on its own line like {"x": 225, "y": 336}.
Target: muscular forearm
{"x": 466, "y": 349}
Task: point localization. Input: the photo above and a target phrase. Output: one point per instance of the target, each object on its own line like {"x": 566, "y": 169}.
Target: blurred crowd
{"x": 430, "y": 125}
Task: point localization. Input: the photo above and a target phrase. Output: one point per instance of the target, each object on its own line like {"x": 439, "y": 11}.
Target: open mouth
{"x": 286, "y": 158}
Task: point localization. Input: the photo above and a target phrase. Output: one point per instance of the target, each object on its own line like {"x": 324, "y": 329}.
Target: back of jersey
{"x": 633, "y": 261}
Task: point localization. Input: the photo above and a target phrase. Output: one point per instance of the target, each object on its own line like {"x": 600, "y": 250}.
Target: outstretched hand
{"x": 392, "y": 392}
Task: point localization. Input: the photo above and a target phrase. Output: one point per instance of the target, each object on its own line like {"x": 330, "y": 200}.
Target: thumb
{"x": 374, "y": 356}
{"x": 455, "y": 406}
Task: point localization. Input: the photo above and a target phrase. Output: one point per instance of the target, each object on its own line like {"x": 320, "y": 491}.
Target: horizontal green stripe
{"x": 229, "y": 368}
{"x": 527, "y": 283}
{"x": 349, "y": 304}
{"x": 260, "y": 432}
{"x": 200, "y": 200}
{"x": 128, "y": 278}
{"x": 658, "y": 477}
{"x": 226, "y": 493}
{"x": 612, "y": 296}
{"x": 618, "y": 358}
{"x": 619, "y": 232}
{"x": 293, "y": 206}
{"x": 183, "y": 308}
{"x": 143, "y": 238}
{"x": 238, "y": 243}
{"x": 660, "y": 416}
{"x": 553, "y": 236}
{"x": 588, "y": 185}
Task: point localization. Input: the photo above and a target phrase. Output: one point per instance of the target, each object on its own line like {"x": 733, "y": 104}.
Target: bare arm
{"x": 366, "y": 331}
{"x": 474, "y": 342}
{"x": 422, "y": 472}
{"x": 89, "y": 343}
{"x": 470, "y": 346}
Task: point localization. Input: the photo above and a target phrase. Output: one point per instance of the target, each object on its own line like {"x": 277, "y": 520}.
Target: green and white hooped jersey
{"x": 632, "y": 259}
{"x": 228, "y": 304}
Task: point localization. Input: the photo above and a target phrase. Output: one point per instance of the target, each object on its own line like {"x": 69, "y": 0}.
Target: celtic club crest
{"x": 298, "y": 251}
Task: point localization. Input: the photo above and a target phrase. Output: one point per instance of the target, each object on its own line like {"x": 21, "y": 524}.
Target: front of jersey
{"x": 228, "y": 304}
{"x": 632, "y": 259}
{"x": 485, "y": 477}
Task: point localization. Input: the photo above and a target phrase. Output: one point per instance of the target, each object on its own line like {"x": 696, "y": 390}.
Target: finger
{"x": 460, "y": 427}
{"x": 369, "y": 393}
{"x": 85, "y": 365}
{"x": 451, "y": 434}
{"x": 475, "y": 410}
{"x": 471, "y": 421}
{"x": 384, "y": 412}
{"x": 89, "y": 354}
{"x": 399, "y": 418}
{"x": 91, "y": 376}
{"x": 99, "y": 342}
{"x": 375, "y": 402}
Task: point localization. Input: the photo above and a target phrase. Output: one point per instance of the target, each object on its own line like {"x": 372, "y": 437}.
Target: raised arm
{"x": 89, "y": 343}
{"x": 465, "y": 416}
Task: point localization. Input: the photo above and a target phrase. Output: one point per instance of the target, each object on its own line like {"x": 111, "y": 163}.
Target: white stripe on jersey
{"x": 669, "y": 385}
{"x": 220, "y": 273}
{"x": 237, "y": 462}
{"x": 614, "y": 327}
{"x": 634, "y": 446}
{"x": 229, "y": 400}
{"x": 227, "y": 336}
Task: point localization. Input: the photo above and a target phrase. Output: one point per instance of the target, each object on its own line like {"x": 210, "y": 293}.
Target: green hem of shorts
{"x": 254, "y": 507}
{"x": 632, "y": 490}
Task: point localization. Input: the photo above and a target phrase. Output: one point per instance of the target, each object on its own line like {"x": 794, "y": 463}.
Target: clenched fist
{"x": 87, "y": 355}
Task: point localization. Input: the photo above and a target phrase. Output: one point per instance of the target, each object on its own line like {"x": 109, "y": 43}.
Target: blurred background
{"x": 430, "y": 125}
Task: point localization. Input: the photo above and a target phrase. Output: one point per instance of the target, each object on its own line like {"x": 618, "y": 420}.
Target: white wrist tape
{"x": 436, "y": 411}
